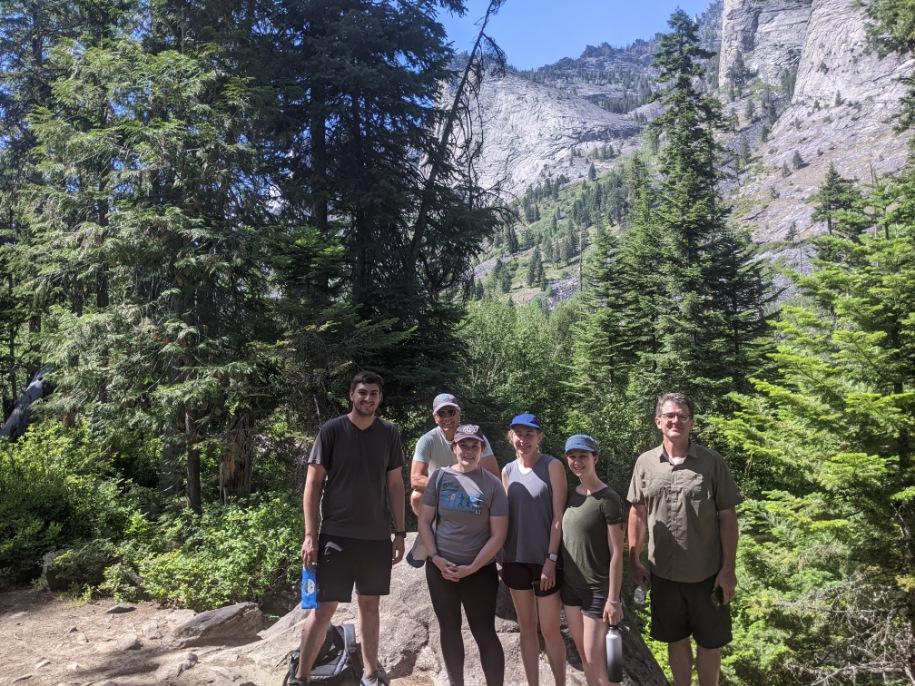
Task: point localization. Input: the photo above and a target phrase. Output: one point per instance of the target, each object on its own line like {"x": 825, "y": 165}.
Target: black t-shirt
{"x": 355, "y": 499}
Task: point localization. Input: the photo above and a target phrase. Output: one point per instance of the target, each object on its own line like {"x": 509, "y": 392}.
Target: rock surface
{"x": 841, "y": 113}
{"x": 232, "y": 624}
{"x": 545, "y": 123}
{"x": 138, "y": 647}
{"x": 531, "y": 130}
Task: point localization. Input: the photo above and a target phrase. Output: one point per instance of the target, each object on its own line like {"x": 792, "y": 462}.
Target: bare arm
{"x": 613, "y": 610}
{"x": 559, "y": 486}
{"x": 419, "y": 475}
{"x": 638, "y": 527}
{"x": 311, "y": 499}
{"x": 396, "y": 496}
{"x": 728, "y": 531}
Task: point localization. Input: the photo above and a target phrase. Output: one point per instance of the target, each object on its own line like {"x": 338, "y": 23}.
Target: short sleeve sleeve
{"x": 423, "y": 450}
{"x": 499, "y": 505}
{"x": 612, "y": 507}
{"x": 487, "y": 449}
{"x": 726, "y": 493}
{"x": 395, "y": 456}
{"x": 431, "y": 492}
{"x": 322, "y": 449}
{"x": 635, "y": 495}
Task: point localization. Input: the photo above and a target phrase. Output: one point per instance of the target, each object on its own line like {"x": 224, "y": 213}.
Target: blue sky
{"x": 538, "y": 32}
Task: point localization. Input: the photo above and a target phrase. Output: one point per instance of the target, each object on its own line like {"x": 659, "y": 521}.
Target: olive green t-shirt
{"x": 683, "y": 502}
{"x": 585, "y": 548}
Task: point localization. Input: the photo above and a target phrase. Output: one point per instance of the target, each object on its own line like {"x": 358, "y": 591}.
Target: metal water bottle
{"x": 309, "y": 589}
{"x": 614, "y": 654}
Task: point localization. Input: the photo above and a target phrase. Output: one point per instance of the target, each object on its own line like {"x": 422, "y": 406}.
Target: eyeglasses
{"x": 670, "y": 416}
{"x": 446, "y": 412}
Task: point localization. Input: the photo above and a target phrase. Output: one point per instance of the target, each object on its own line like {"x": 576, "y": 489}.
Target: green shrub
{"x": 77, "y": 568}
{"x": 242, "y": 551}
{"x": 56, "y": 489}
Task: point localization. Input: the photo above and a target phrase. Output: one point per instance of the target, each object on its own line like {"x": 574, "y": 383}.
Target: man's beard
{"x": 361, "y": 412}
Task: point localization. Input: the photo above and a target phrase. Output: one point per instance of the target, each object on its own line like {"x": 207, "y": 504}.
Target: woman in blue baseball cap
{"x": 592, "y": 557}
{"x": 536, "y": 488}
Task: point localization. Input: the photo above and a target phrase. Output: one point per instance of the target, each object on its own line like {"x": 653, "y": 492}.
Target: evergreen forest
{"x": 213, "y": 213}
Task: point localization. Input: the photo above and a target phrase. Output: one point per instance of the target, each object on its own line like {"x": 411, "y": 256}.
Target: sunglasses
{"x": 446, "y": 412}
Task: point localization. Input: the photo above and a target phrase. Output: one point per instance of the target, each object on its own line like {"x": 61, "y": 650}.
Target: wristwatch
{"x": 552, "y": 556}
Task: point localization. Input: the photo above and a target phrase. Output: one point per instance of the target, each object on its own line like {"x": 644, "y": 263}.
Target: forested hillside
{"x": 212, "y": 214}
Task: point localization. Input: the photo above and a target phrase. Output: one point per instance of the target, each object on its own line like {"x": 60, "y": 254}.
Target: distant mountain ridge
{"x": 797, "y": 77}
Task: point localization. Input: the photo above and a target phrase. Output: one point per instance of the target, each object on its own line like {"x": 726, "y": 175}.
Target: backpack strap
{"x": 352, "y": 650}
{"x": 349, "y": 638}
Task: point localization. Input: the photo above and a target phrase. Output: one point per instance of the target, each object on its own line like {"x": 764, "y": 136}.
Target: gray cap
{"x": 581, "y": 442}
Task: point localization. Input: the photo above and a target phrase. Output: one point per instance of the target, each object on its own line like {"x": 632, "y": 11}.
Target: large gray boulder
{"x": 410, "y": 640}
{"x": 229, "y": 625}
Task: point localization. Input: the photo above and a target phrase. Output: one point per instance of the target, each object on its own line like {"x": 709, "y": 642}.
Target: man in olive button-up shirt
{"x": 683, "y": 498}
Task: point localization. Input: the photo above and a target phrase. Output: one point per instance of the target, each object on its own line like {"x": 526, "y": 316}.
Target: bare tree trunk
{"x": 193, "y": 463}
{"x": 441, "y": 148}
{"x": 237, "y": 465}
{"x": 18, "y": 420}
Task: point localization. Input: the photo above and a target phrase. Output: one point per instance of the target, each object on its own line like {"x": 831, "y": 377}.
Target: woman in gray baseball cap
{"x": 470, "y": 511}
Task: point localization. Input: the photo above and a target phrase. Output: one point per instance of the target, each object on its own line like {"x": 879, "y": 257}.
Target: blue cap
{"x": 581, "y": 442}
{"x": 526, "y": 419}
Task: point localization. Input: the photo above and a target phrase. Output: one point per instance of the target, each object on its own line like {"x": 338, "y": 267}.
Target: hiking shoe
{"x": 379, "y": 678}
{"x": 417, "y": 555}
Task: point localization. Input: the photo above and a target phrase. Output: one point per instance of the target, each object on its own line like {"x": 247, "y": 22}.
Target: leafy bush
{"x": 241, "y": 551}
{"x": 56, "y": 488}
{"x": 77, "y": 568}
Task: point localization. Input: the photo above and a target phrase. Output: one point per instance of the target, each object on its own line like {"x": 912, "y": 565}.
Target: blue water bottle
{"x": 309, "y": 589}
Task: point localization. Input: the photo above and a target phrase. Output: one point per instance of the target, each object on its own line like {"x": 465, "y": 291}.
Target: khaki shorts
{"x": 680, "y": 610}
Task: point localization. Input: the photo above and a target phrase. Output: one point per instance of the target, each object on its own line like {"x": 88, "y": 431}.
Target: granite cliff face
{"x": 767, "y": 36}
{"x": 799, "y": 78}
{"x": 532, "y": 131}
{"x": 840, "y": 112}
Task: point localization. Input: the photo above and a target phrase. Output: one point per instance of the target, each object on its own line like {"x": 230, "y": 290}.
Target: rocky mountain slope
{"x": 840, "y": 112}
{"x": 799, "y": 78}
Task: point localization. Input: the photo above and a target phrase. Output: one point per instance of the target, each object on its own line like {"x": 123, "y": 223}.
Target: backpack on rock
{"x": 338, "y": 661}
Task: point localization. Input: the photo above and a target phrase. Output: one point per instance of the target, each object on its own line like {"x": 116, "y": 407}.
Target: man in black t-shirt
{"x": 356, "y": 463}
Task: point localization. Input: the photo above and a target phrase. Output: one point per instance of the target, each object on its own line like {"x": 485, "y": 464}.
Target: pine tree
{"x": 836, "y": 202}
{"x": 825, "y": 448}
{"x": 535, "y": 269}
{"x": 698, "y": 324}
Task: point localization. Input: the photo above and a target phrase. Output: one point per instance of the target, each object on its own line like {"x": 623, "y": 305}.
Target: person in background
{"x": 683, "y": 500}
{"x": 536, "y": 488}
{"x": 433, "y": 450}
{"x": 592, "y": 559}
{"x": 470, "y": 510}
{"x": 354, "y": 473}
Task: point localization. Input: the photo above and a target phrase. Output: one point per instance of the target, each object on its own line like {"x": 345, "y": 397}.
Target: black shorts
{"x": 590, "y": 601}
{"x": 343, "y": 562}
{"x": 680, "y": 610}
{"x": 523, "y": 576}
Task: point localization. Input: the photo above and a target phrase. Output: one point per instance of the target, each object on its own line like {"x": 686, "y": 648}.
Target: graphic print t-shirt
{"x": 464, "y": 502}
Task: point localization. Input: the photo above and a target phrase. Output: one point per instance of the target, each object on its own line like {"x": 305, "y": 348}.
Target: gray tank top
{"x": 530, "y": 512}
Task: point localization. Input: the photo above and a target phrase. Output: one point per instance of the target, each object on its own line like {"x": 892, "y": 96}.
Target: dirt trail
{"x": 48, "y": 641}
